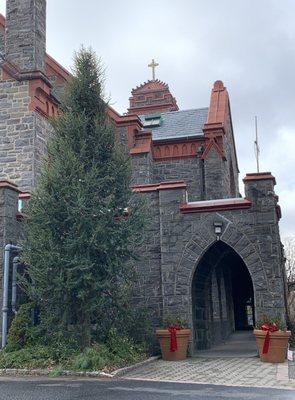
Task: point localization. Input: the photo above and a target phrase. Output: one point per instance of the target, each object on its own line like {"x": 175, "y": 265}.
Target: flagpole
{"x": 256, "y": 145}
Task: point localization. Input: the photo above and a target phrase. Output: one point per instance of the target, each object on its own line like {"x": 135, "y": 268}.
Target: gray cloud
{"x": 247, "y": 44}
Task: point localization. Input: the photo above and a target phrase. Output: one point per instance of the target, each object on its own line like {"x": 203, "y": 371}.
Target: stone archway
{"x": 203, "y": 237}
{"x": 222, "y": 296}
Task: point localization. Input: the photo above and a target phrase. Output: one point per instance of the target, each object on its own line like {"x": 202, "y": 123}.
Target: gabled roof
{"x": 180, "y": 124}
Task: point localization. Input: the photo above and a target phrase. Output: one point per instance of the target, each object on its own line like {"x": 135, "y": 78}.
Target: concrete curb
{"x": 88, "y": 374}
{"x": 124, "y": 370}
{"x": 50, "y": 373}
{"x": 211, "y": 383}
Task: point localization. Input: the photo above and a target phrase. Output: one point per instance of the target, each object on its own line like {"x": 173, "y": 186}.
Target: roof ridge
{"x": 188, "y": 109}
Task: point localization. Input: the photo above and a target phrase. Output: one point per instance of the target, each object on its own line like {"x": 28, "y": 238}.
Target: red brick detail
{"x": 218, "y": 117}
{"x": 176, "y": 149}
{"x": 152, "y": 96}
{"x": 20, "y": 216}
{"x": 278, "y": 211}
{"x": 41, "y": 99}
{"x": 2, "y": 21}
{"x": 215, "y": 205}
{"x": 54, "y": 69}
{"x": 258, "y": 176}
{"x": 219, "y": 104}
{"x": 124, "y": 120}
{"x": 142, "y": 142}
{"x": 212, "y": 143}
{"x": 159, "y": 186}
{"x": 9, "y": 185}
{"x": 24, "y": 195}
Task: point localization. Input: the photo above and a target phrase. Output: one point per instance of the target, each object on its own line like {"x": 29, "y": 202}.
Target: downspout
{"x": 15, "y": 264}
{"x": 8, "y": 248}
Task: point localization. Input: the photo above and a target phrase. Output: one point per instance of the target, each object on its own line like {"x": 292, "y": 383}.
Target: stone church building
{"x": 210, "y": 255}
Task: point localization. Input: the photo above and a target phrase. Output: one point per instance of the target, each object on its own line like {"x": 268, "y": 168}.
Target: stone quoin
{"x": 210, "y": 255}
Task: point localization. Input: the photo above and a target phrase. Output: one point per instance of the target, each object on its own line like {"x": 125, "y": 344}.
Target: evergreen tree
{"x": 78, "y": 244}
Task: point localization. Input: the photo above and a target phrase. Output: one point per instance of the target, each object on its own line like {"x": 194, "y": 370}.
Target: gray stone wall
{"x": 2, "y": 39}
{"x": 222, "y": 175}
{"x": 142, "y": 169}
{"x": 43, "y": 131}
{"x": 149, "y": 289}
{"x": 232, "y": 166}
{"x": 216, "y": 182}
{"x": 16, "y": 133}
{"x": 25, "y": 40}
{"x": 23, "y": 135}
{"x": 186, "y": 169}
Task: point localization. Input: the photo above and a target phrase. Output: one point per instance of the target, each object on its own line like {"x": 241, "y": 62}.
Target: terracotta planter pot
{"x": 182, "y": 337}
{"x": 277, "y": 347}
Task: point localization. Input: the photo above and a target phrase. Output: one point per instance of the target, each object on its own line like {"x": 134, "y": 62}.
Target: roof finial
{"x": 153, "y": 65}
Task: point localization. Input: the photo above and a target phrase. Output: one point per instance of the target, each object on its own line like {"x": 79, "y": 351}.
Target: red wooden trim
{"x": 20, "y": 216}
{"x": 159, "y": 186}
{"x": 215, "y": 205}
{"x": 9, "y": 185}
{"x": 124, "y": 120}
{"x": 2, "y": 21}
{"x": 278, "y": 211}
{"x": 159, "y": 159}
{"x": 259, "y": 176}
{"x": 165, "y": 107}
{"x": 24, "y": 195}
{"x": 57, "y": 67}
{"x": 176, "y": 149}
{"x": 212, "y": 144}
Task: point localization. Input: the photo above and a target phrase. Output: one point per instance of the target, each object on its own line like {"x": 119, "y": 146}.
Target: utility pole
{"x": 256, "y": 145}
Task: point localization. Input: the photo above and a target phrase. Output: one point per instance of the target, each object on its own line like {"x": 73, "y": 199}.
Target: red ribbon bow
{"x": 173, "y": 339}
{"x": 269, "y": 328}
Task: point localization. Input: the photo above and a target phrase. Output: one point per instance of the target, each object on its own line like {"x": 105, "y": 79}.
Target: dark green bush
{"x": 20, "y": 327}
{"x": 116, "y": 352}
{"x": 28, "y": 357}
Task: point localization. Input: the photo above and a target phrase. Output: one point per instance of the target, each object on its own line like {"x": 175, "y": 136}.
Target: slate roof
{"x": 178, "y": 124}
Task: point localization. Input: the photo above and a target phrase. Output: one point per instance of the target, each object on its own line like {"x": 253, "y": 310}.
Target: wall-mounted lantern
{"x": 218, "y": 229}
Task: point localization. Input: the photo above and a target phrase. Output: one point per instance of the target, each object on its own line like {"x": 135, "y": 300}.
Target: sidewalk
{"x": 223, "y": 371}
{"x": 234, "y": 362}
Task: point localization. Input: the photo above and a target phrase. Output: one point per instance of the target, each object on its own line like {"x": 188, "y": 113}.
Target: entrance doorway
{"x": 222, "y": 295}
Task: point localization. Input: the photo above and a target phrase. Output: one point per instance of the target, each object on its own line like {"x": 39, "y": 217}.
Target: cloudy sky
{"x": 249, "y": 44}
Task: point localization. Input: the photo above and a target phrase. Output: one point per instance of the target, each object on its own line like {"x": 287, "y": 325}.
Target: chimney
{"x": 25, "y": 39}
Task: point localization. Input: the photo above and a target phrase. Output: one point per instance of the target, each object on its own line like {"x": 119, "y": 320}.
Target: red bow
{"x": 269, "y": 328}
{"x": 173, "y": 339}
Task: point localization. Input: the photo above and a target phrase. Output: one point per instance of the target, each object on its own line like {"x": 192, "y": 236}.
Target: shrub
{"x": 116, "y": 352}
{"x": 92, "y": 358}
{"x": 20, "y": 326}
{"x": 28, "y": 357}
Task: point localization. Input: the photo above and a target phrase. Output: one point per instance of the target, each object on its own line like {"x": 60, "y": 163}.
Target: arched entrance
{"x": 222, "y": 296}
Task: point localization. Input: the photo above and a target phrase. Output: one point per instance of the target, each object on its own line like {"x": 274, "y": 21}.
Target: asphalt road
{"x": 69, "y": 389}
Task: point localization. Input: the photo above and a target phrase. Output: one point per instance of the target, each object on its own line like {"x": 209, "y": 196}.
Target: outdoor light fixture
{"x": 217, "y": 229}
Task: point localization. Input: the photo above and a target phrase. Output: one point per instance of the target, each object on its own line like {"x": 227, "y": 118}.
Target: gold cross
{"x": 153, "y": 66}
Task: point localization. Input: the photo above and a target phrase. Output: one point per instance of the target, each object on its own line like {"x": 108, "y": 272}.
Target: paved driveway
{"x": 61, "y": 389}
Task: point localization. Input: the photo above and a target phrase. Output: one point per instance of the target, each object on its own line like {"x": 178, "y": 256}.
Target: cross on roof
{"x": 153, "y": 65}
